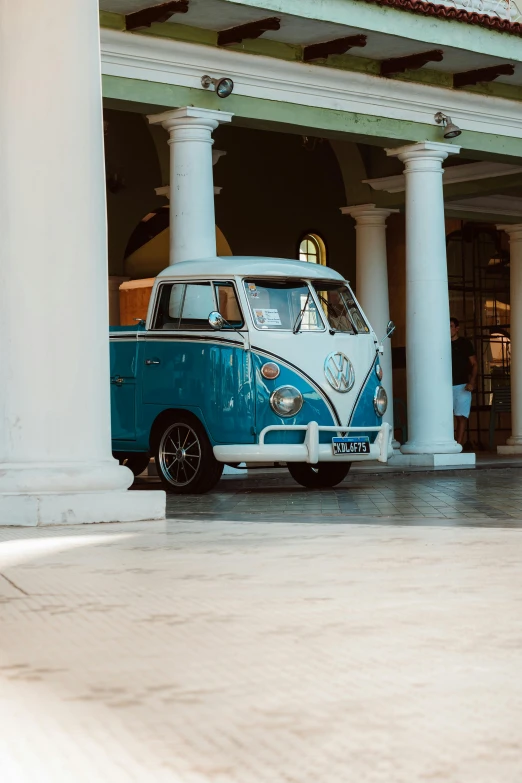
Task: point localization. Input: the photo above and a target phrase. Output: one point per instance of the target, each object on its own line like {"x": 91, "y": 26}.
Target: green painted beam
{"x": 180, "y": 32}
{"x": 112, "y": 21}
{"x": 290, "y": 52}
{"x": 368, "y": 17}
{"x": 354, "y": 14}
{"x": 263, "y": 46}
{"x": 278, "y": 115}
{"x": 498, "y": 90}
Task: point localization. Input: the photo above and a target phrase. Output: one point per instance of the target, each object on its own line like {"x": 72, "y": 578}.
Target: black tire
{"x": 321, "y": 476}
{"x": 184, "y": 457}
{"x": 137, "y": 462}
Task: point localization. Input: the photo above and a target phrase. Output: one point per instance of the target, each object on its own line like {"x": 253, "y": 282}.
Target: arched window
{"x": 312, "y": 249}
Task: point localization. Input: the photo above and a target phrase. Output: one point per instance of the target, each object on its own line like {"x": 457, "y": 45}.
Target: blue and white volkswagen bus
{"x": 248, "y": 360}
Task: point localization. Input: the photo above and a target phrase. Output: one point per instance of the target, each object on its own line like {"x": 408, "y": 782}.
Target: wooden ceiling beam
{"x": 320, "y": 51}
{"x": 482, "y": 75}
{"x": 234, "y": 35}
{"x": 155, "y": 13}
{"x": 411, "y": 62}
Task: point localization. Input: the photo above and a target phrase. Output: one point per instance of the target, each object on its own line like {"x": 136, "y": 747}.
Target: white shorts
{"x": 461, "y": 400}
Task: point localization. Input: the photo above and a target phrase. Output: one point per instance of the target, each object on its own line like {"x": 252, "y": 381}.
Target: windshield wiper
{"x": 299, "y": 319}
{"x": 331, "y": 313}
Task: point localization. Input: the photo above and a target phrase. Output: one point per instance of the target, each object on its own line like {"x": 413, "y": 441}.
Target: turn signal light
{"x": 270, "y": 370}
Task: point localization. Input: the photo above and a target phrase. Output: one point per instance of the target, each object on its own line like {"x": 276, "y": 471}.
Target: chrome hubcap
{"x": 180, "y": 454}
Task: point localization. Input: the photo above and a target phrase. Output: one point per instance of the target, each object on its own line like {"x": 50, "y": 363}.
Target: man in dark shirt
{"x": 464, "y": 370}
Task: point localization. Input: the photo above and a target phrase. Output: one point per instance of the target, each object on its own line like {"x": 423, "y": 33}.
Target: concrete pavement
{"x": 312, "y": 648}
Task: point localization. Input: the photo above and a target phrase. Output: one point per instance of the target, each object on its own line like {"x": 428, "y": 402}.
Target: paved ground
{"x": 269, "y": 635}
{"x": 455, "y": 495}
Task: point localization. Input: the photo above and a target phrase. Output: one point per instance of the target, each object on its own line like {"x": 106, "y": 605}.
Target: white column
{"x": 216, "y": 157}
{"x": 56, "y": 464}
{"x": 428, "y": 349}
{"x": 372, "y": 282}
{"x": 514, "y": 443}
{"x": 192, "y": 217}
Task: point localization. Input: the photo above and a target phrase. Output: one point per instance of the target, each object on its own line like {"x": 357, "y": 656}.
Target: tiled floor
{"x": 459, "y": 496}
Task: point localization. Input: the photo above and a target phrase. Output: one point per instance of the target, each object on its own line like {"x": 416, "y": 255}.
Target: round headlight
{"x": 380, "y": 401}
{"x": 270, "y": 370}
{"x": 286, "y": 401}
{"x": 378, "y": 371}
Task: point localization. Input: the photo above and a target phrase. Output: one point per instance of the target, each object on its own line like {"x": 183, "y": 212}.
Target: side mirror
{"x": 216, "y": 320}
{"x": 390, "y": 328}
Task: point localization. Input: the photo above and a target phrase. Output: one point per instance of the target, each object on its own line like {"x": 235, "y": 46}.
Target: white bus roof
{"x": 249, "y": 266}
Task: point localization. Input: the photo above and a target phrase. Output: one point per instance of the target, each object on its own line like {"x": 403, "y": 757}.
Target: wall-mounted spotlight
{"x": 450, "y": 129}
{"x": 224, "y": 87}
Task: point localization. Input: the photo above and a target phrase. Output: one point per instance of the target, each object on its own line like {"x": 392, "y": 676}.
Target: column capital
{"x": 368, "y": 214}
{"x": 217, "y": 155}
{"x": 513, "y": 229}
{"x": 190, "y": 116}
{"x": 424, "y": 150}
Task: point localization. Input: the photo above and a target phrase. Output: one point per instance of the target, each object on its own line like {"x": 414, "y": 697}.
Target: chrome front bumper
{"x": 311, "y": 450}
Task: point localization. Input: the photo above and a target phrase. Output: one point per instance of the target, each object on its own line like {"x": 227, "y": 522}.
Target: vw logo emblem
{"x": 339, "y": 372}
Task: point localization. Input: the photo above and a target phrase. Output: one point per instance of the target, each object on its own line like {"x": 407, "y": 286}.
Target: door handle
{"x": 148, "y": 362}
{"x": 117, "y": 380}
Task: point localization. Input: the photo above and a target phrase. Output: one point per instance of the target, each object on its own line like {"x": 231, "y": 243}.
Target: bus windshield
{"x": 340, "y": 308}
{"x": 286, "y": 305}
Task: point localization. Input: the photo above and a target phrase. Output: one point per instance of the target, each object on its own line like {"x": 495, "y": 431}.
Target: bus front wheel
{"x": 184, "y": 457}
{"x": 321, "y": 476}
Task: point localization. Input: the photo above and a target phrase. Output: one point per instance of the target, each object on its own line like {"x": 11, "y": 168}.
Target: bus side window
{"x": 184, "y": 306}
{"x": 228, "y": 304}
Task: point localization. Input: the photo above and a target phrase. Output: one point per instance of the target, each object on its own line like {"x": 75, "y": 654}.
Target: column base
{"x": 514, "y": 440}
{"x": 515, "y": 448}
{"x": 466, "y": 459}
{"x": 79, "y": 508}
{"x": 443, "y": 449}
{"x": 69, "y": 478}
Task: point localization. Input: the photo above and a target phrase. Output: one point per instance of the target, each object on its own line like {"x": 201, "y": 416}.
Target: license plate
{"x": 359, "y": 445}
